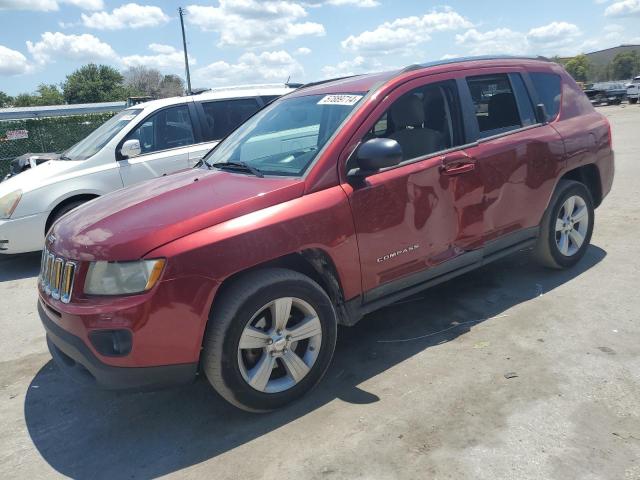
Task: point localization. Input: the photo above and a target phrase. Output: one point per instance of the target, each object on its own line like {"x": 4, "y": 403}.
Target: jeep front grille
{"x": 57, "y": 276}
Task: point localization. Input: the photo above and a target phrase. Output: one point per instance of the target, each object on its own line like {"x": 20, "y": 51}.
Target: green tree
{"x": 49, "y": 95}
{"x": 578, "y": 68}
{"x": 5, "y": 100}
{"x": 24, "y": 100}
{"x": 171, "y": 86}
{"x": 626, "y": 65}
{"x": 94, "y": 83}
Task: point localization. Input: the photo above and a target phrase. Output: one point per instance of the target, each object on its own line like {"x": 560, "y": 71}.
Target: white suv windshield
{"x": 97, "y": 139}
{"x": 285, "y": 137}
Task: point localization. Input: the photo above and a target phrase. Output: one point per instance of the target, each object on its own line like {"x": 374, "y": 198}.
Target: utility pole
{"x": 184, "y": 46}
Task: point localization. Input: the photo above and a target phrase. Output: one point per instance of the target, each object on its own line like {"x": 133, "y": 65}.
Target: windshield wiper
{"x": 238, "y": 166}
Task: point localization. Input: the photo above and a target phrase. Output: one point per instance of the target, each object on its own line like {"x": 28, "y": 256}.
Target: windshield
{"x": 285, "y": 138}
{"x": 97, "y": 139}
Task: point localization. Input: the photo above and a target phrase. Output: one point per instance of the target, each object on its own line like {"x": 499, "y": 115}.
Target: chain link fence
{"x": 49, "y": 134}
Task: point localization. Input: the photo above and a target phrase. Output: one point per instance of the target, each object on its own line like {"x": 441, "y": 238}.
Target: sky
{"x": 234, "y": 42}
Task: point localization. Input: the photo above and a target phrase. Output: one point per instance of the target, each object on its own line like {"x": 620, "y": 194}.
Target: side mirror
{"x": 541, "y": 113}
{"x": 376, "y": 154}
{"x": 131, "y": 148}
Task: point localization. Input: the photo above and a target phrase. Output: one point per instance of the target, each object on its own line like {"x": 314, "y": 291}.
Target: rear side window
{"x": 495, "y": 103}
{"x": 224, "y": 116}
{"x": 548, "y": 87}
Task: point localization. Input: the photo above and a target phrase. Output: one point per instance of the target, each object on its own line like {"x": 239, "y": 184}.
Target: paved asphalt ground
{"x": 417, "y": 390}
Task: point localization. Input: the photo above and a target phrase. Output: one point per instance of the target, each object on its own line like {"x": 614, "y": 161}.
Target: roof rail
{"x": 313, "y": 84}
{"x": 470, "y": 59}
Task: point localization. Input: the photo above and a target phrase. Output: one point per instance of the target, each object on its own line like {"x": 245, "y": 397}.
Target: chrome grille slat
{"x": 57, "y": 276}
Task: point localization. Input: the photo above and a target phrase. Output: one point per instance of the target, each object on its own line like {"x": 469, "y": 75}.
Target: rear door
{"x": 518, "y": 157}
{"x": 165, "y": 137}
{"x": 218, "y": 118}
{"x": 417, "y": 220}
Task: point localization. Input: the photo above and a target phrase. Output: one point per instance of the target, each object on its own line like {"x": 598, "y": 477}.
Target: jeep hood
{"x": 129, "y": 223}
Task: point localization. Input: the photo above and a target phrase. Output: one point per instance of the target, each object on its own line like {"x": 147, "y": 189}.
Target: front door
{"x": 418, "y": 220}
{"x": 165, "y": 137}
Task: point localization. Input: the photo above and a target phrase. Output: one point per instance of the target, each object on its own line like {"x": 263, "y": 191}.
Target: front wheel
{"x": 270, "y": 339}
{"x": 567, "y": 225}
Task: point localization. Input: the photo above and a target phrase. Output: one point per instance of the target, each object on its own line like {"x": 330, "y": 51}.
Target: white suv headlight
{"x": 122, "y": 278}
{"x": 8, "y": 203}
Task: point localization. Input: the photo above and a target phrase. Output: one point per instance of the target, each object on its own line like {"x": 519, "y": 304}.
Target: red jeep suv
{"x": 333, "y": 201}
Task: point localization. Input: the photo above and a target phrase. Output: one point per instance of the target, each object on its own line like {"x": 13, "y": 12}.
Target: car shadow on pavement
{"x": 85, "y": 433}
{"x": 17, "y": 267}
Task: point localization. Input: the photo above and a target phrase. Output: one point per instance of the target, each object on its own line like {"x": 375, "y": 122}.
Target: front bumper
{"x": 22, "y": 235}
{"x": 76, "y": 359}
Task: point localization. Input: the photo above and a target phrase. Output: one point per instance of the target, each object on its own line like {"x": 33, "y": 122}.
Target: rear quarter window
{"x": 548, "y": 86}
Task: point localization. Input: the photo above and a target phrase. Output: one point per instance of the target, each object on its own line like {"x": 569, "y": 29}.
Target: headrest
{"x": 407, "y": 111}
{"x": 503, "y": 111}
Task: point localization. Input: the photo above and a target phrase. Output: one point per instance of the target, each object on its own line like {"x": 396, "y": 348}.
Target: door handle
{"x": 457, "y": 163}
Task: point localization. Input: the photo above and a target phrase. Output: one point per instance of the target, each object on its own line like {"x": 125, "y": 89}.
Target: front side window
{"x": 102, "y": 135}
{"x": 285, "y": 137}
{"x": 495, "y": 104}
{"x": 165, "y": 129}
{"x": 423, "y": 121}
{"x": 223, "y": 116}
{"x": 548, "y": 87}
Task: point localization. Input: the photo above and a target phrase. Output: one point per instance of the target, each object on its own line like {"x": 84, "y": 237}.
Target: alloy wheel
{"x": 572, "y": 225}
{"x": 279, "y": 345}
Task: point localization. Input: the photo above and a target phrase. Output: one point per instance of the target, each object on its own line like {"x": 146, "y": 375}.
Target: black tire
{"x": 633, "y": 101}
{"x": 237, "y": 304}
{"x": 547, "y": 251}
{"x": 62, "y": 212}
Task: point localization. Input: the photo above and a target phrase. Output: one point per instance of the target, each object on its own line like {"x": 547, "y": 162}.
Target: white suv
{"x": 633, "y": 90}
{"x": 149, "y": 140}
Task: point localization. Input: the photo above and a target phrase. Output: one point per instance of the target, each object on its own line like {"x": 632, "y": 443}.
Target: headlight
{"x": 122, "y": 278}
{"x": 8, "y": 203}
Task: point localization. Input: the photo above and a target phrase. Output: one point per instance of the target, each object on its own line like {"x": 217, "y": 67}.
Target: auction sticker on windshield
{"x": 340, "y": 100}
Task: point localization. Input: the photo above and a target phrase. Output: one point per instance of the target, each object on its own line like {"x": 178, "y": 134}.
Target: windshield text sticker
{"x": 340, "y": 100}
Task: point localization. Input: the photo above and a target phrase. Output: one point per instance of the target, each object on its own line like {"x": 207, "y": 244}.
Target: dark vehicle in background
{"x": 609, "y": 93}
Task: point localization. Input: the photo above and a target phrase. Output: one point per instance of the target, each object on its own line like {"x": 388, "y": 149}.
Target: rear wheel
{"x": 567, "y": 225}
{"x": 633, "y": 101}
{"x": 270, "y": 339}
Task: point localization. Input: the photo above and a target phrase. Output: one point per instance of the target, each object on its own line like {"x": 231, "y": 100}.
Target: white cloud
{"x": 556, "y": 38}
{"x": 166, "y": 58}
{"x": 302, "y": 51}
{"x": 274, "y": 66}
{"x": 12, "y": 62}
{"x": 500, "y": 40}
{"x": 403, "y": 35}
{"x": 623, "y": 8}
{"x": 83, "y": 47}
{"x": 86, "y": 4}
{"x": 553, "y": 33}
{"x": 49, "y": 5}
{"x": 130, "y": 15}
{"x": 449, "y": 56}
{"x": 353, "y": 3}
{"x": 249, "y": 23}
{"x": 355, "y": 66}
